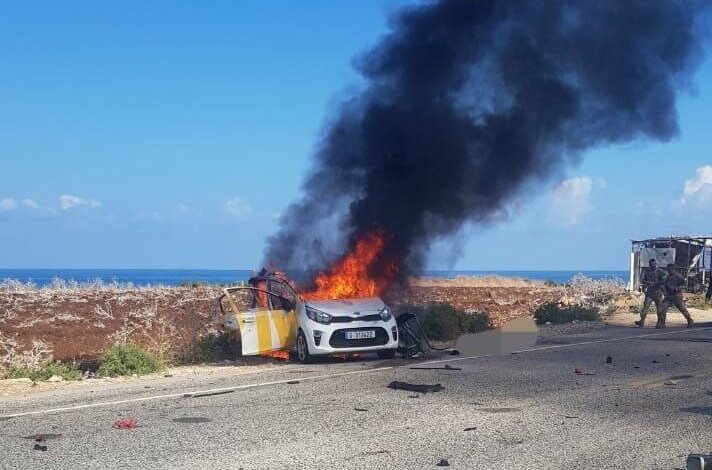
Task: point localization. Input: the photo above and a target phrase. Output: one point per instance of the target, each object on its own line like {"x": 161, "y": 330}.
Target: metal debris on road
{"x": 447, "y": 367}
{"x": 293, "y": 382}
{"x": 443, "y": 463}
{"x": 207, "y": 394}
{"x": 125, "y": 423}
{"x": 470, "y": 429}
{"x": 579, "y": 371}
{"x": 418, "y": 388}
{"x": 40, "y": 447}
{"x": 43, "y": 437}
{"x": 192, "y": 419}
{"x": 360, "y": 409}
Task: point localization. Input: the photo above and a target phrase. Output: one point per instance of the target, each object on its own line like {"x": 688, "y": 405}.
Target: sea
{"x": 177, "y": 277}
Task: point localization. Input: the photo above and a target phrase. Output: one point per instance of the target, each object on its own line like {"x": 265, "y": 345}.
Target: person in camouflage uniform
{"x": 653, "y": 286}
{"x": 674, "y": 282}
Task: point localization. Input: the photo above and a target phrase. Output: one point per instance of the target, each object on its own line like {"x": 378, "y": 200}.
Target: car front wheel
{"x": 303, "y": 349}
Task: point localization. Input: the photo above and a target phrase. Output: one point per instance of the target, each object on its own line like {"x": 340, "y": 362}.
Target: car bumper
{"x": 331, "y": 339}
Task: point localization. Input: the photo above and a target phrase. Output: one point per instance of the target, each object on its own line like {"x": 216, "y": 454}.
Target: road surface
{"x": 649, "y": 408}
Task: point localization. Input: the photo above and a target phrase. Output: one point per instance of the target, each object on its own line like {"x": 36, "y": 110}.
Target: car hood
{"x": 348, "y": 306}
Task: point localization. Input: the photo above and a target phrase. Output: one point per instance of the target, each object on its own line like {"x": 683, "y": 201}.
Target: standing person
{"x": 674, "y": 282}
{"x": 653, "y": 285}
{"x": 708, "y": 296}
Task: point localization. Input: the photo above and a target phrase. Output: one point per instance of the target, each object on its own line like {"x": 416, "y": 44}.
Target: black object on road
{"x": 699, "y": 462}
{"x": 418, "y": 388}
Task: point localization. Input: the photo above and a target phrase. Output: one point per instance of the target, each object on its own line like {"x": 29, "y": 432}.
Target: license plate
{"x": 361, "y": 334}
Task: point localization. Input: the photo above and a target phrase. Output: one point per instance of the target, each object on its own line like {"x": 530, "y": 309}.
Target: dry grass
{"x": 475, "y": 281}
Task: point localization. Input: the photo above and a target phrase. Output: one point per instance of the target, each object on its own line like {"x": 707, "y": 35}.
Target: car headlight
{"x": 318, "y": 316}
{"x": 385, "y": 314}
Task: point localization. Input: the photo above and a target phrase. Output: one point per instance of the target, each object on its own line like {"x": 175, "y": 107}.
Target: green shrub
{"x": 556, "y": 313}
{"x": 443, "y": 322}
{"x": 212, "y": 348}
{"x": 44, "y": 371}
{"x": 128, "y": 359}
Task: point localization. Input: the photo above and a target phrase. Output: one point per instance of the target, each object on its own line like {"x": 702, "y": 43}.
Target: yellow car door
{"x": 268, "y": 324}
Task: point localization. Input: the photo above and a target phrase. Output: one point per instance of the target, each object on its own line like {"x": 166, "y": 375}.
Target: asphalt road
{"x": 648, "y": 409}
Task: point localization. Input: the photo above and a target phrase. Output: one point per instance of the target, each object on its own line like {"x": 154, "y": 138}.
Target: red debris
{"x": 125, "y": 423}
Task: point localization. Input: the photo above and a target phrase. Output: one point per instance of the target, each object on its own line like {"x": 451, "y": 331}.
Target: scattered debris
{"x": 192, "y": 419}
{"x": 376, "y": 452}
{"x": 43, "y": 437}
{"x": 56, "y": 378}
{"x": 208, "y": 394}
{"x": 447, "y": 367}
{"x": 40, "y": 447}
{"x": 470, "y": 429}
{"x": 636, "y": 367}
{"x": 293, "y": 382}
{"x": 360, "y": 409}
{"x": 570, "y": 417}
{"x": 609, "y": 360}
{"x": 654, "y": 361}
{"x": 424, "y": 388}
{"x": 413, "y": 396}
{"x": 125, "y": 423}
{"x": 579, "y": 371}
{"x": 454, "y": 352}
{"x": 167, "y": 375}
{"x": 670, "y": 382}
{"x": 499, "y": 410}
{"x": 443, "y": 463}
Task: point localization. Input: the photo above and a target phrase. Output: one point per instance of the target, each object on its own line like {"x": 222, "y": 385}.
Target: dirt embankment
{"x": 79, "y": 323}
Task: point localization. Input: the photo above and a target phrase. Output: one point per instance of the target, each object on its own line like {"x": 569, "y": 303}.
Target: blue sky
{"x": 172, "y": 134}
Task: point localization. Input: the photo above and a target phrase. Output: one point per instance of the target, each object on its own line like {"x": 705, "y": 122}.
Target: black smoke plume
{"x": 469, "y": 102}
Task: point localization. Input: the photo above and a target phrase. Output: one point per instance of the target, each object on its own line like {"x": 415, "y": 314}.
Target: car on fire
{"x": 271, "y": 315}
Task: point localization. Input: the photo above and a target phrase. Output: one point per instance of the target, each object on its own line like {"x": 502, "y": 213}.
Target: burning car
{"x": 271, "y": 315}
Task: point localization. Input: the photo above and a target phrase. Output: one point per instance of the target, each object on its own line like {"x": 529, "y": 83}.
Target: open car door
{"x": 266, "y": 320}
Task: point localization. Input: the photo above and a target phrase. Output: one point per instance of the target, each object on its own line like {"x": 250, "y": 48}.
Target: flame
{"x": 349, "y": 277}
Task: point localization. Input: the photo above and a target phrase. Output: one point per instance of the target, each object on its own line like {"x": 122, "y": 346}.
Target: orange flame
{"x": 349, "y": 277}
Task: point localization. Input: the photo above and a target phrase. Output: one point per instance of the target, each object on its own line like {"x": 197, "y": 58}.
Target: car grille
{"x": 338, "y": 338}
{"x": 375, "y": 317}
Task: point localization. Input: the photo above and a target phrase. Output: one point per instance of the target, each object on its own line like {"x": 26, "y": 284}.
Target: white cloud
{"x": 67, "y": 201}
{"x": 237, "y": 208}
{"x": 30, "y": 203}
{"x": 700, "y": 186}
{"x": 8, "y": 204}
{"x": 571, "y": 200}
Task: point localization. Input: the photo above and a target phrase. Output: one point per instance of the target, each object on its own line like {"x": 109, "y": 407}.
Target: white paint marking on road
{"x": 197, "y": 392}
{"x": 340, "y": 374}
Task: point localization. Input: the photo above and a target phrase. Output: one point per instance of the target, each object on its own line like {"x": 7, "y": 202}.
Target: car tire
{"x": 303, "y": 355}
{"x": 387, "y": 354}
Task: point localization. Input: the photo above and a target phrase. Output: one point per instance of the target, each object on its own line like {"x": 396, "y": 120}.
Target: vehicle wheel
{"x": 387, "y": 354}
{"x": 303, "y": 355}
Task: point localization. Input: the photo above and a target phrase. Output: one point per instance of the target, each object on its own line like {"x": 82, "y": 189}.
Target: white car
{"x": 271, "y": 315}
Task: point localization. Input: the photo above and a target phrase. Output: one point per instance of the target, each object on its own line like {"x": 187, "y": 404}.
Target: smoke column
{"x": 467, "y": 103}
